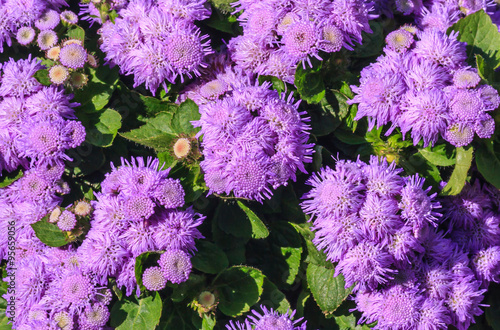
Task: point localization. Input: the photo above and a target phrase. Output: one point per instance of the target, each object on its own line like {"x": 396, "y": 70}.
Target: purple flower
{"x": 301, "y": 41}
{"x": 399, "y": 40}
{"x": 464, "y": 300}
{"x": 96, "y": 315}
{"x": 47, "y": 39}
{"x": 25, "y": 35}
{"x": 397, "y": 308}
{"x": 175, "y": 265}
{"x": 365, "y": 266}
{"x": 153, "y": 279}
{"x": 18, "y": 77}
{"x": 66, "y": 221}
{"x": 73, "y": 56}
{"x": 486, "y": 264}
{"x": 177, "y": 230}
{"x": 441, "y": 49}
{"x": 426, "y": 114}
{"x": 48, "y": 21}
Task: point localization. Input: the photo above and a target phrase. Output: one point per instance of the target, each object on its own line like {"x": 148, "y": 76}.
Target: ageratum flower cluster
{"x": 157, "y": 41}
{"x": 268, "y": 319}
{"x": 26, "y": 201}
{"x": 18, "y": 16}
{"x": 253, "y": 139}
{"x": 277, "y": 35}
{"x": 382, "y": 230}
{"x": 442, "y": 14}
{"x": 139, "y": 210}
{"x": 37, "y": 122}
{"x": 426, "y": 87}
{"x": 52, "y": 292}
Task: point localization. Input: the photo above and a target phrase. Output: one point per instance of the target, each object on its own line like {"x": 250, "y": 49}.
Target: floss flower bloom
{"x": 154, "y": 44}
{"x": 426, "y": 88}
{"x": 412, "y": 267}
{"x": 253, "y": 139}
{"x": 130, "y": 219}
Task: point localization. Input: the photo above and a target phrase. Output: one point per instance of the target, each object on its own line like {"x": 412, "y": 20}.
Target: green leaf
{"x": 459, "y": 175}
{"x": 156, "y": 133}
{"x": 134, "y": 313}
{"x": 373, "y": 42}
{"x": 103, "y": 130}
{"x": 272, "y": 297}
{"x": 309, "y": 82}
{"x": 178, "y": 317}
{"x": 208, "y": 322}
{"x": 287, "y": 245}
{"x": 492, "y": 312}
{"x": 49, "y": 233}
{"x": 438, "y": 155}
{"x": 8, "y": 178}
{"x": 76, "y": 32}
{"x": 43, "y": 77}
{"x": 209, "y": 258}
{"x": 239, "y": 287}
{"x": 259, "y": 229}
{"x": 99, "y": 89}
{"x": 313, "y": 255}
{"x": 328, "y": 291}
{"x": 488, "y": 163}
{"x": 181, "y": 121}
{"x": 482, "y": 37}
{"x": 142, "y": 261}
{"x": 349, "y": 322}
{"x": 154, "y": 106}
{"x": 189, "y": 289}
{"x": 232, "y": 220}
{"x": 276, "y": 82}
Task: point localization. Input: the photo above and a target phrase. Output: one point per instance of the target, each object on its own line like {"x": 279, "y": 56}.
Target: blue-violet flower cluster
{"x": 277, "y": 35}
{"x": 37, "y": 123}
{"x": 140, "y": 210}
{"x": 425, "y": 87}
{"x": 413, "y": 263}
{"x": 157, "y": 41}
{"x": 253, "y": 139}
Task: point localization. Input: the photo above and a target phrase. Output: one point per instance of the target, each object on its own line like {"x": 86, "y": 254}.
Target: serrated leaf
{"x": 9, "y": 178}
{"x": 438, "y": 155}
{"x": 99, "y": 89}
{"x": 188, "y": 289}
{"x": 488, "y": 163}
{"x": 272, "y": 297}
{"x": 239, "y": 287}
{"x": 133, "y": 313}
{"x": 313, "y": 254}
{"x": 286, "y": 240}
{"x": 259, "y": 229}
{"x": 309, "y": 82}
{"x": 459, "y": 175}
{"x": 76, "y": 32}
{"x": 208, "y": 322}
{"x": 328, "y": 291}
{"x": 482, "y": 37}
{"x": 154, "y": 106}
{"x": 49, "y": 233}
{"x": 103, "y": 132}
{"x": 156, "y": 133}
{"x": 181, "y": 121}
{"x": 209, "y": 258}
{"x": 349, "y": 322}
{"x": 232, "y": 220}
{"x": 43, "y": 77}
